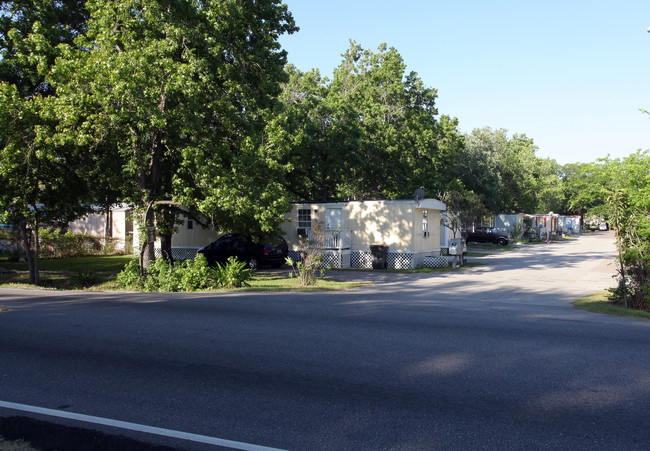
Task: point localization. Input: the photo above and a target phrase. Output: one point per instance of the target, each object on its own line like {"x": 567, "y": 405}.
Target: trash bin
{"x": 379, "y": 254}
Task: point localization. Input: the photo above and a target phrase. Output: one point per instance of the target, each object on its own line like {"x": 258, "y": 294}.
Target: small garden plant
{"x": 310, "y": 265}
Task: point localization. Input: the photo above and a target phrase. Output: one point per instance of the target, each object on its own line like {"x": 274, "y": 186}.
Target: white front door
{"x": 334, "y": 218}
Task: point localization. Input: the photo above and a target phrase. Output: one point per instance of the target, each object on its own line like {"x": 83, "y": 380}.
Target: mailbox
{"x": 457, "y": 246}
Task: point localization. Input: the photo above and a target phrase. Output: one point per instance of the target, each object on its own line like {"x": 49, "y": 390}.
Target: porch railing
{"x": 334, "y": 239}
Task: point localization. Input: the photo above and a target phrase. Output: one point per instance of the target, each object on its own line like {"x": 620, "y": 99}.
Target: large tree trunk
{"x": 32, "y": 255}
{"x": 147, "y": 253}
{"x": 166, "y": 247}
{"x": 165, "y": 222}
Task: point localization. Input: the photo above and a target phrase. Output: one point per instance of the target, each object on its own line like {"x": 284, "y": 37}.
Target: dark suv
{"x": 249, "y": 249}
{"x": 489, "y": 235}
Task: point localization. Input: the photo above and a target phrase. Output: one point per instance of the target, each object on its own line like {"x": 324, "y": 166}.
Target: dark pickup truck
{"x": 489, "y": 235}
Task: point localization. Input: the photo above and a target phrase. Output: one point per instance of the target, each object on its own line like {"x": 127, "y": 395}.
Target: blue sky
{"x": 571, "y": 75}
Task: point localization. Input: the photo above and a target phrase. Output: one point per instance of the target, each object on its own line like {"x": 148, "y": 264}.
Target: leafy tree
{"x": 628, "y": 208}
{"x": 507, "y": 174}
{"x": 464, "y": 208}
{"x": 619, "y": 192}
{"x": 177, "y": 92}
{"x": 401, "y": 144}
{"x": 477, "y": 167}
{"x": 30, "y": 30}
{"x": 316, "y": 139}
{"x": 42, "y": 183}
{"x": 575, "y": 179}
{"x": 370, "y": 132}
{"x": 549, "y": 186}
{"x": 587, "y": 186}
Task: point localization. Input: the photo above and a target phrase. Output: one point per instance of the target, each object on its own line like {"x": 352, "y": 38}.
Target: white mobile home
{"x": 411, "y": 230}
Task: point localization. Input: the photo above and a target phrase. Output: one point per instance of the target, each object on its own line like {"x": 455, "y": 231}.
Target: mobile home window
{"x": 425, "y": 223}
{"x": 304, "y": 218}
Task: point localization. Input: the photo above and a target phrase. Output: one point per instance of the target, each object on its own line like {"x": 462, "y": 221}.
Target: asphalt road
{"x": 493, "y": 357}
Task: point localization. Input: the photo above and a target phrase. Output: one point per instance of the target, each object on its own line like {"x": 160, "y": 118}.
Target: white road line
{"x": 136, "y": 427}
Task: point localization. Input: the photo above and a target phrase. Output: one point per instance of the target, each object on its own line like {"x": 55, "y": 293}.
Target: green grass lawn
{"x": 600, "y": 303}
{"x": 99, "y": 272}
{"x": 485, "y": 248}
{"x": 274, "y": 281}
{"x": 109, "y": 263}
{"x": 67, "y": 273}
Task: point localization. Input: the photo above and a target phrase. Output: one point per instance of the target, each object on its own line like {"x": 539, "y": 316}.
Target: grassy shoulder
{"x": 99, "y": 273}
{"x": 66, "y": 273}
{"x": 600, "y": 303}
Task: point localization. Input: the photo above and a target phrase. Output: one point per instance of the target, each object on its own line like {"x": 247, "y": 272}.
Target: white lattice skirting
{"x": 331, "y": 259}
{"x": 179, "y": 253}
{"x": 294, "y": 255}
{"x": 363, "y": 259}
{"x": 360, "y": 259}
{"x": 435, "y": 262}
{"x": 395, "y": 260}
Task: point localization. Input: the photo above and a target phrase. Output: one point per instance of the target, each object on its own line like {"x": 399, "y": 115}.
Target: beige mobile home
{"x": 410, "y": 229}
{"x": 117, "y": 224}
{"x": 189, "y": 237}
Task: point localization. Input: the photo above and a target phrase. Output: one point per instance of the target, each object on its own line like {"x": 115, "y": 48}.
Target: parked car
{"x": 247, "y": 248}
{"x": 489, "y": 235}
{"x": 603, "y": 226}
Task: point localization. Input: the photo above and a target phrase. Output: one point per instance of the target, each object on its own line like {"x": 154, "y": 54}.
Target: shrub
{"x": 161, "y": 276}
{"x": 311, "y": 257}
{"x": 130, "y": 277}
{"x": 195, "y": 274}
{"x": 189, "y": 275}
{"x": 56, "y": 244}
{"x": 233, "y": 274}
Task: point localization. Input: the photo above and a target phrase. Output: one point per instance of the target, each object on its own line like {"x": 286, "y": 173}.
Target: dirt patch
{"x": 50, "y": 437}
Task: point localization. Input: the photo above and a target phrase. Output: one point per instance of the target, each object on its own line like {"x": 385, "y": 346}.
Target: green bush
{"x": 233, "y": 274}
{"x": 188, "y": 275}
{"x": 161, "y": 276}
{"x": 56, "y": 244}
{"x": 130, "y": 277}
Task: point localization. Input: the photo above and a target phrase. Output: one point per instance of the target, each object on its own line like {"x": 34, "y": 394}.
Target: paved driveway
{"x": 541, "y": 273}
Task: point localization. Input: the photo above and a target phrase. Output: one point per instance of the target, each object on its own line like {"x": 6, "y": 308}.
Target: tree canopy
{"x": 157, "y": 101}
{"x": 177, "y": 92}
{"x": 372, "y": 131}
{"x": 618, "y": 191}
{"x": 507, "y": 174}
{"x": 41, "y": 182}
